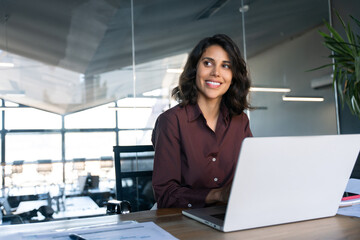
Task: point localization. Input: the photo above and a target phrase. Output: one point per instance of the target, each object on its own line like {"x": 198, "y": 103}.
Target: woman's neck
{"x": 210, "y": 110}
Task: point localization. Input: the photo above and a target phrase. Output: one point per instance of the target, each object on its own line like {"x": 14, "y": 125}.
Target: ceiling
{"x": 76, "y": 54}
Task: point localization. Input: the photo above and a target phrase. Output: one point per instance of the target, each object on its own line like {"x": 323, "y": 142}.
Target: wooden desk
{"x": 338, "y": 227}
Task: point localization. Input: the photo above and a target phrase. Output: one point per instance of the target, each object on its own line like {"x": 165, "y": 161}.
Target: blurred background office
{"x": 79, "y": 77}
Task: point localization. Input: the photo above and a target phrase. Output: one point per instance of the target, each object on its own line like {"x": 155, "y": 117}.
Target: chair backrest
{"x": 126, "y": 155}
{"x": 44, "y": 166}
{"x": 79, "y": 164}
{"x": 106, "y": 162}
{"x": 17, "y": 166}
{"x": 4, "y": 204}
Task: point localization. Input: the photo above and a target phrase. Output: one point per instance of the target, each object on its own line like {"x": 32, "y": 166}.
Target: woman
{"x": 197, "y": 142}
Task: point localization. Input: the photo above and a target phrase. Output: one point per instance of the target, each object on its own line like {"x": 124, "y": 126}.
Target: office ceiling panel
{"x": 73, "y": 55}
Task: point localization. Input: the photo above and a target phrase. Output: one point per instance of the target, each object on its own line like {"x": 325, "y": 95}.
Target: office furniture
{"x": 17, "y": 166}
{"x": 106, "y": 166}
{"x": 44, "y": 166}
{"x": 79, "y": 164}
{"x": 16, "y": 171}
{"x": 181, "y": 227}
{"x": 130, "y": 155}
{"x": 106, "y": 162}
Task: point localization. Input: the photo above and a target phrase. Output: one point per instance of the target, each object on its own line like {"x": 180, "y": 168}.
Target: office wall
{"x": 286, "y": 65}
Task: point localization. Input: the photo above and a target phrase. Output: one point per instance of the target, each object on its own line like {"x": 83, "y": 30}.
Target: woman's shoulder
{"x": 172, "y": 114}
{"x": 242, "y": 117}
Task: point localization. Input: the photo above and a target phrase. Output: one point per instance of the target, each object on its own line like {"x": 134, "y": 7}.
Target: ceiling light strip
{"x": 266, "y": 89}
{"x": 128, "y": 107}
{"x": 7, "y": 64}
{"x": 303, "y": 99}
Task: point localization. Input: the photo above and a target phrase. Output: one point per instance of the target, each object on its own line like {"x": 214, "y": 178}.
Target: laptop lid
{"x": 288, "y": 179}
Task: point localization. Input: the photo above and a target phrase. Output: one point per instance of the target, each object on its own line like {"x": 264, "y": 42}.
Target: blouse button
{"x": 189, "y": 205}
{"x": 214, "y": 159}
{"x": 215, "y": 179}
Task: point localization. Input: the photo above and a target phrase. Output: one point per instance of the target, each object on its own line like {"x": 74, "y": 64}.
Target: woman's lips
{"x": 212, "y": 84}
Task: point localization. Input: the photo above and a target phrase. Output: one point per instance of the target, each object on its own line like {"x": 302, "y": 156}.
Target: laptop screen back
{"x": 287, "y": 179}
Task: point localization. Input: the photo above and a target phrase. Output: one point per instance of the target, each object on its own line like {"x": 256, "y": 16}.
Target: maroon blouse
{"x": 191, "y": 159}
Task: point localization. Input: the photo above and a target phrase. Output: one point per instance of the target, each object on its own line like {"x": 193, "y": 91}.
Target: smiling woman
{"x": 198, "y": 141}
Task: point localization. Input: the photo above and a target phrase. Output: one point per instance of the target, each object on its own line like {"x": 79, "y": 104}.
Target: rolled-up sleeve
{"x": 167, "y": 182}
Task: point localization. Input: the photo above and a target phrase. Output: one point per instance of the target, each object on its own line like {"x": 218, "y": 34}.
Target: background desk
{"x": 338, "y": 227}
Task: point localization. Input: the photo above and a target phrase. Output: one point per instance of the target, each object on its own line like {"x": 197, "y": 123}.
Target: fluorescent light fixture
{"x": 13, "y": 108}
{"x": 128, "y": 107}
{"x": 7, "y": 64}
{"x": 266, "y": 89}
{"x": 174, "y": 70}
{"x": 303, "y": 99}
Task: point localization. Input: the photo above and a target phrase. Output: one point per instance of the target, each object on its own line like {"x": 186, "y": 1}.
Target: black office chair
{"x": 142, "y": 156}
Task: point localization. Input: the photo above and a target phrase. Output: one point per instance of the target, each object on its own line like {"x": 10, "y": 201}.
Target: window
{"x": 90, "y": 145}
{"x": 32, "y": 146}
{"x": 30, "y": 118}
{"x": 98, "y": 117}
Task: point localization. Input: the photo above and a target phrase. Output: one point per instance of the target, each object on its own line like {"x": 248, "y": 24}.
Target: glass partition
{"x": 292, "y": 47}
{"x": 97, "y": 117}
{"x": 91, "y": 145}
{"x": 101, "y": 72}
{"x": 32, "y": 147}
{"x": 29, "y": 118}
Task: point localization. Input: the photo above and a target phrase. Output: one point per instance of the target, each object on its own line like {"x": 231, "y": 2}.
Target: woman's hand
{"x": 218, "y": 195}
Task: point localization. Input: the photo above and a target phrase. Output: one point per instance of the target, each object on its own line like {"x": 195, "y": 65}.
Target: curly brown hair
{"x": 235, "y": 98}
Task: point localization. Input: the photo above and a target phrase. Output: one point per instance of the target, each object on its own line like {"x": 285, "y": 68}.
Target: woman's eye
{"x": 226, "y": 66}
{"x": 207, "y": 63}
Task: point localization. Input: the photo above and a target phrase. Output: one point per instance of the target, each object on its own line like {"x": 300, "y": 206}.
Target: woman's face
{"x": 214, "y": 75}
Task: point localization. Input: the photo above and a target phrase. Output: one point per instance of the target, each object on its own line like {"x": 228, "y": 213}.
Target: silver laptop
{"x": 284, "y": 179}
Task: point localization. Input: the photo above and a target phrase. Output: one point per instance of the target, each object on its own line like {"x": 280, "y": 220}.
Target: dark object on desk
{"x": 88, "y": 182}
{"x": 144, "y": 155}
{"x": 47, "y": 212}
{"x": 27, "y": 216}
{"x": 75, "y": 236}
{"x": 118, "y": 207}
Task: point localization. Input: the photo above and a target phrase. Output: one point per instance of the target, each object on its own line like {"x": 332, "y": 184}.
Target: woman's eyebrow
{"x": 208, "y": 58}
{"x": 213, "y": 60}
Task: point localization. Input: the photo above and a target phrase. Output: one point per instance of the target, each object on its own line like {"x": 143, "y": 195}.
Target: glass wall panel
{"x": 30, "y": 180}
{"x": 279, "y": 54}
{"x": 89, "y": 145}
{"x": 98, "y": 117}
{"x": 32, "y": 146}
{"x": 30, "y": 118}
{"x": 134, "y": 117}
{"x": 135, "y": 137}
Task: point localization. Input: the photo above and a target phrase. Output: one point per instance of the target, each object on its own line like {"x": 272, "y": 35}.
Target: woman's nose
{"x": 215, "y": 71}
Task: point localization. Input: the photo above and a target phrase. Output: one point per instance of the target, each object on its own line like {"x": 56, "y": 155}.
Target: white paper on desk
{"x": 146, "y": 230}
{"x": 353, "y": 211}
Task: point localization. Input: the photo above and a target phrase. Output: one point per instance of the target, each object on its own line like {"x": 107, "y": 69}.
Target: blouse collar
{"x": 193, "y": 112}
